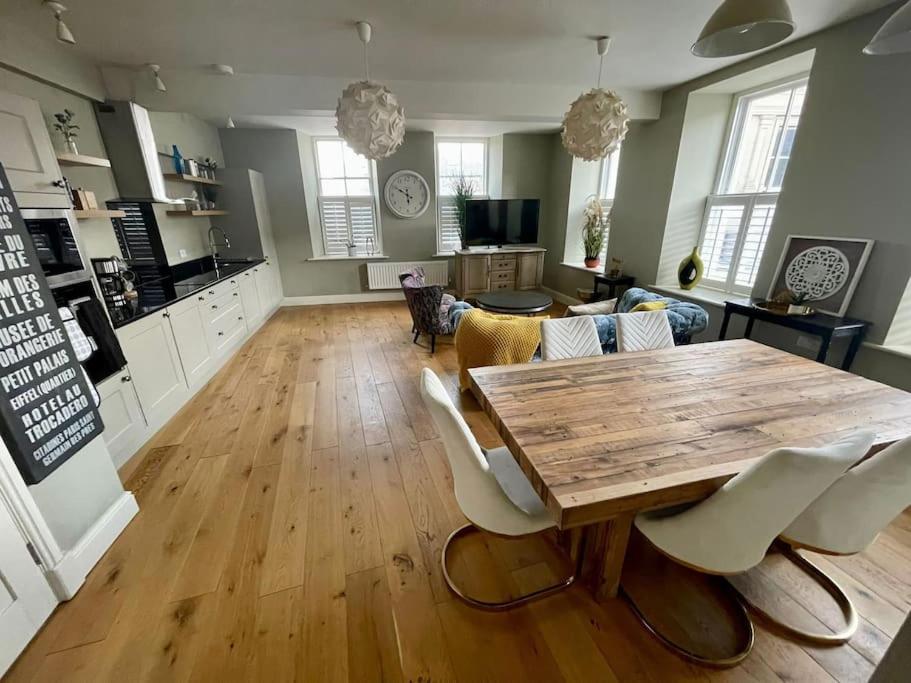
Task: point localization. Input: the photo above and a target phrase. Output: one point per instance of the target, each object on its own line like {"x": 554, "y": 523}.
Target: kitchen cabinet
{"x": 249, "y": 299}
{"x": 28, "y": 155}
{"x": 225, "y": 322}
{"x": 151, "y": 352}
{"x": 189, "y": 329}
{"x": 266, "y": 287}
{"x": 124, "y": 423}
{"x": 484, "y": 271}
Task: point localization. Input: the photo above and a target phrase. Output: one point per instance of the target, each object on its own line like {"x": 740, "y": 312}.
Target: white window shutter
{"x": 363, "y": 224}
{"x": 449, "y": 225}
{"x": 334, "y": 216}
{"x": 719, "y": 242}
{"x": 757, "y": 231}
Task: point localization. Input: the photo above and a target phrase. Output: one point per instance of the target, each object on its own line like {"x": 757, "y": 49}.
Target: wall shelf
{"x": 66, "y": 159}
{"x": 183, "y": 177}
{"x": 198, "y": 212}
{"x": 99, "y": 213}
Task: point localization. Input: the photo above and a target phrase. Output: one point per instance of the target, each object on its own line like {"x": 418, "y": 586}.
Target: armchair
{"x": 429, "y": 306}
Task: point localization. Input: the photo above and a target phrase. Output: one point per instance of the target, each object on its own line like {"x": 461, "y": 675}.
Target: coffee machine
{"x": 118, "y": 286}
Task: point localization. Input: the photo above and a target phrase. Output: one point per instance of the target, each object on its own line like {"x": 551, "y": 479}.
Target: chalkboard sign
{"x": 46, "y": 409}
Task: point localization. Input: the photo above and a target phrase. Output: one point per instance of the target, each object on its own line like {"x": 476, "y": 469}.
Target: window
{"x": 457, "y": 159}
{"x": 607, "y": 187}
{"x": 347, "y": 199}
{"x": 738, "y": 217}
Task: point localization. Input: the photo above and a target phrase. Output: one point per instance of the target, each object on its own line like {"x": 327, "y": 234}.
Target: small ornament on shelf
{"x": 66, "y": 126}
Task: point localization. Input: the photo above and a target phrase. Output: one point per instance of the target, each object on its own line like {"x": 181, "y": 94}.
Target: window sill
{"x": 902, "y": 351}
{"x": 703, "y": 295}
{"x": 443, "y": 254}
{"x": 375, "y": 257}
{"x": 581, "y": 266}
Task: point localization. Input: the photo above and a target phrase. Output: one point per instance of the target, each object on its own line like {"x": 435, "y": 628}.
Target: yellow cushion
{"x": 484, "y": 339}
{"x": 649, "y": 306}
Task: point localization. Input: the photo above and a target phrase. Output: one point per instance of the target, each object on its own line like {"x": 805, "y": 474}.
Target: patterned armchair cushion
{"x": 686, "y": 318}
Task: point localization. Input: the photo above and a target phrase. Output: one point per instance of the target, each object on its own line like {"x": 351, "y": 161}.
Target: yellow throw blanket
{"x": 484, "y": 339}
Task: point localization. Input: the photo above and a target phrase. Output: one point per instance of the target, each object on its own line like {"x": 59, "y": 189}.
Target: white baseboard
{"x": 360, "y": 298}
{"x": 560, "y": 296}
{"x": 69, "y": 574}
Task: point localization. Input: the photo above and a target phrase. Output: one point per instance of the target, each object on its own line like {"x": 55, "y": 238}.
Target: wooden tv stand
{"x": 488, "y": 270}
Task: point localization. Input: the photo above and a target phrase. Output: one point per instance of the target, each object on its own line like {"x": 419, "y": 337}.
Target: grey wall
{"x": 848, "y": 176}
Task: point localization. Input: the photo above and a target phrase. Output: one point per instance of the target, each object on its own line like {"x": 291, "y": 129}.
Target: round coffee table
{"x": 516, "y": 303}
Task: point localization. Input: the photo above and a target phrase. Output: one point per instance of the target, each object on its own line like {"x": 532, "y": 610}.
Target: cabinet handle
{"x": 211, "y": 291}
{"x": 221, "y": 334}
{"x": 235, "y": 294}
{"x": 214, "y": 306}
{"x": 126, "y": 378}
{"x": 58, "y": 183}
{"x": 240, "y": 317}
{"x": 166, "y": 315}
{"x": 200, "y": 298}
{"x": 233, "y": 282}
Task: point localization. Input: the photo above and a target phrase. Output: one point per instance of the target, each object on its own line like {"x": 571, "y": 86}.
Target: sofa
{"x": 686, "y": 318}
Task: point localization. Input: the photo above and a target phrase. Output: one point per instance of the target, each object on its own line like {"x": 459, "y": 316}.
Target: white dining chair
{"x": 575, "y": 337}
{"x": 731, "y": 531}
{"x": 490, "y": 487}
{"x": 845, "y": 520}
{"x": 644, "y": 331}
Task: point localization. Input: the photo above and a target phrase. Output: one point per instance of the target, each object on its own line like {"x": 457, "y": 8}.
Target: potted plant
{"x": 67, "y": 127}
{"x": 352, "y": 248}
{"x": 593, "y": 232}
{"x": 462, "y": 191}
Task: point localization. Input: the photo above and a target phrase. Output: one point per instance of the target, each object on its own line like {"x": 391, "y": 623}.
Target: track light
{"x": 230, "y": 123}
{"x": 64, "y": 35}
{"x": 159, "y": 84}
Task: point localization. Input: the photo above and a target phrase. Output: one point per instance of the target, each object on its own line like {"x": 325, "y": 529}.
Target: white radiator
{"x": 385, "y": 275}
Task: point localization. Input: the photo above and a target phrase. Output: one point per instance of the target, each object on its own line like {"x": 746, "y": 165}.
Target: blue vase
{"x": 178, "y": 160}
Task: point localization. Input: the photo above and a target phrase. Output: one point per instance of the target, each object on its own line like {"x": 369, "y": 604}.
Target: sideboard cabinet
{"x": 477, "y": 272}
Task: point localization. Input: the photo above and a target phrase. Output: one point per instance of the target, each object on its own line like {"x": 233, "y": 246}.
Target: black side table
{"x": 827, "y": 327}
{"x": 625, "y": 281}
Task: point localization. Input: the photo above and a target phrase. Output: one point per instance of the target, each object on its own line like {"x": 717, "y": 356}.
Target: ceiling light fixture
{"x": 369, "y": 117}
{"x": 895, "y": 35}
{"x": 597, "y": 121}
{"x": 64, "y": 35}
{"x": 230, "y": 123}
{"x": 159, "y": 84}
{"x": 741, "y": 26}
{"x": 223, "y": 69}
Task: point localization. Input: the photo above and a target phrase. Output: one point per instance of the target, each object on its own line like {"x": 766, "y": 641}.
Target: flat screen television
{"x": 499, "y": 222}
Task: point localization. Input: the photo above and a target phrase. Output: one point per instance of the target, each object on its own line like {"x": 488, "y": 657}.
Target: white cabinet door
{"x": 264, "y": 288}
{"x": 189, "y": 330}
{"x": 124, "y": 424}
{"x": 249, "y": 298}
{"x": 26, "y": 599}
{"x": 151, "y": 352}
{"x": 27, "y": 154}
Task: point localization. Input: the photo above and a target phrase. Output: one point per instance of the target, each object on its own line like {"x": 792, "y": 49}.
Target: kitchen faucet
{"x": 213, "y": 246}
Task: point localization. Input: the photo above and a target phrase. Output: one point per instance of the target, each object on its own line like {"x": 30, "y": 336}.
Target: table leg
{"x": 724, "y": 325}
{"x": 611, "y": 552}
{"x": 824, "y": 348}
{"x": 749, "y": 330}
{"x": 852, "y": 351}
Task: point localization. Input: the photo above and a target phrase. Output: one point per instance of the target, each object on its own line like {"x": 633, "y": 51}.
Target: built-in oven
{"x": 56, "y": 238}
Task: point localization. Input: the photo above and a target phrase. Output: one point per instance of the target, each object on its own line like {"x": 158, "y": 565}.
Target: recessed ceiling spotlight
{"x": 159, "y": 84}
{"x": 223, "y": 69}
{"x": 64, "y": 35}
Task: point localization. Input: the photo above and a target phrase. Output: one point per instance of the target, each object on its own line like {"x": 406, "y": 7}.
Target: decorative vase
{"x": 352, "y": 251}
{"x": 71, "y": 146}
{"x": 689, "y": 273}
{"x": 592, "y": 262}
{"x": 178, "y": 160}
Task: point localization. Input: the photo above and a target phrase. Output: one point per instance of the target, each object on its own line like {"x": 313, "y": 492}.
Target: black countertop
{"x": 158, "y": 293}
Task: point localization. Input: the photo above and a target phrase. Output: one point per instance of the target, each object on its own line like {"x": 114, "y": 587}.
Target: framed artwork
{"x": 825, "y": 269}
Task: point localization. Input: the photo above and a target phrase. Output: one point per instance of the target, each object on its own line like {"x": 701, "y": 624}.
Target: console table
{"x": 491, "y": 270}
{"x": 827, "y": 327}
{"x": 625, "y": 281}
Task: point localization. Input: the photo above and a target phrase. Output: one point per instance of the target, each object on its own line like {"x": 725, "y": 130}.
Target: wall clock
{"x": 407, "y": 194}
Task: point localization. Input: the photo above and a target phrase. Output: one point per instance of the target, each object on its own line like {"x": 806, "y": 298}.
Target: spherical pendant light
{"x": 742, "y": 26}
{"x": 895, "y": 35}
{"x": 369, "y": 117}
{"x": 597, "y": 121}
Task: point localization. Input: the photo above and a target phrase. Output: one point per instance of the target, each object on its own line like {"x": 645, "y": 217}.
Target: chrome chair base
{"x": 828, "y": 584}
{"x": 507, "y": 604}
{"x": 689, "y": 655}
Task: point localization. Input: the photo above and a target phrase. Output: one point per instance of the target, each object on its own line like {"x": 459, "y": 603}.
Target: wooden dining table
{"x": 602, "y": 439}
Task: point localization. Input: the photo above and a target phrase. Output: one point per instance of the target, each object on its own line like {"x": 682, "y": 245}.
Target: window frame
{"x": 604, "y": 174}
{"x": 445, "y": 200}
{"x": 748, "y": 200}
{"x": 373, "y": 199}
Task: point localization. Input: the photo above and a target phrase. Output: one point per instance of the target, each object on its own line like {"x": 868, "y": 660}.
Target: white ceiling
{"x": 307, "y": 47}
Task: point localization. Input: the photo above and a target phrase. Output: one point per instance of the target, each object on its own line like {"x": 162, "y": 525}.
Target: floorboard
{"x": 291, "y": 521}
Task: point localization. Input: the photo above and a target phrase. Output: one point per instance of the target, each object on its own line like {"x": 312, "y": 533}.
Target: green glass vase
{"x": 689, "y": 272}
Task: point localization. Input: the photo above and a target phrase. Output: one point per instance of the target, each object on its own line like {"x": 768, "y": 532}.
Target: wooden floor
{"x": 291, "y": 520}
